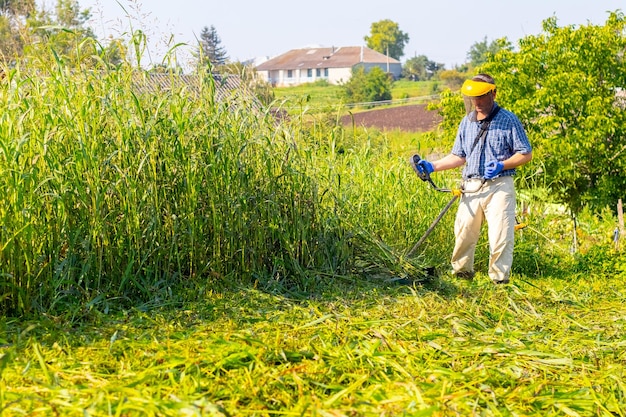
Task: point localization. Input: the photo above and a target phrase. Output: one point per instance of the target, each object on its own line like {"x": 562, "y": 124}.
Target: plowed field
{"x": 410, "y": 118}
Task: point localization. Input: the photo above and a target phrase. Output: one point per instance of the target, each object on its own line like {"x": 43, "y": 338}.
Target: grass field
{"x": 324, "y": 97}
{"x": 544, "y": 347}
{"x": 172, "y": 254}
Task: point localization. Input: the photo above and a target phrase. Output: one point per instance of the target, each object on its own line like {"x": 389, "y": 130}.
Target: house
{"x": 334, "y": 65}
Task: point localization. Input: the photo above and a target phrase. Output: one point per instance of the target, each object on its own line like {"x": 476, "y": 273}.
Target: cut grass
{"x": 542, "y": 347}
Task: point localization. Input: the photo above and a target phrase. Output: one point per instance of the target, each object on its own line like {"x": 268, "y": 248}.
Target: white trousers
{"x": 495, "y": 203}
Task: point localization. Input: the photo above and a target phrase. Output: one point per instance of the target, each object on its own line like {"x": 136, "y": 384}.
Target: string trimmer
{"x": 456, "y": 193}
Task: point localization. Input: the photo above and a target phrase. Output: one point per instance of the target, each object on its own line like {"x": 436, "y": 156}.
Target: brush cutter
{"x": 456, "y": 193}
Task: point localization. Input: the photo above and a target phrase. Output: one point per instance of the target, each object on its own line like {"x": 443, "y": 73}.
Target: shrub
{"x": 368, "y": 87}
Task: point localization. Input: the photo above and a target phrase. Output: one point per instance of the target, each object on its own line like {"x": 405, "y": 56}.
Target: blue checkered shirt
{"x": 505, "y": 137}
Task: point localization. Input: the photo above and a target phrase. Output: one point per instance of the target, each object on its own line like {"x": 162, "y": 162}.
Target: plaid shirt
{"x": 505, "y": 137}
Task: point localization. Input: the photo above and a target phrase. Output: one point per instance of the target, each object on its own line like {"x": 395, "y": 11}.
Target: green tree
{"x": 420, "y": 68}
{"x": 387, "y": 38}
{"x": 17, "y": 7}
{"x": 480, "y": 52}
{"x": 453, "y": 79}
{"x": 64, "y": 30}
{"x": 210, "y": 49}
{"x": 564, "y": 85}
{"x": 14, "y": 15}
{"x": 366, "y": 87}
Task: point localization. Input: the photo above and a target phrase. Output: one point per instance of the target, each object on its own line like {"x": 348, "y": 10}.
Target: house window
{"x": 318, "y": 72}
{"x": 289, "y": 73}
{"x": 325, "y": 72}
{"x": 309, "y": 73}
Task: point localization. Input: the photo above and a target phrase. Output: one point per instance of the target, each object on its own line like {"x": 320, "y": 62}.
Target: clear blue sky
{"x": 443, "y": 30}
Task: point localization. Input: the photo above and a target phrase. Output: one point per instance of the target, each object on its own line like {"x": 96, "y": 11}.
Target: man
{"x": 491, "y": 142}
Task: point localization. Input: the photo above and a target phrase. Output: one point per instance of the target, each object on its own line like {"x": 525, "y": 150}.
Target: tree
{"x": 69, "y": 15}
{"x": 481, "y": 51}
{"x": 420, "y": 68}
{"x": 13, "y": 19}
{"x": 453, "y": 79}
{"x": 64, "y": 30}
{"x": 17, "y": 8}
{"x": 387, "y": 38}
{"x": 363, "y": 87}
{"x": 564, "y": 84}
{"x": 25, "y": 29}
{"x": 210, "y": 50}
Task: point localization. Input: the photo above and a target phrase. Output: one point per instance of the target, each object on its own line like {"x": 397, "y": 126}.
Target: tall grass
{"x": 113, "y": 192}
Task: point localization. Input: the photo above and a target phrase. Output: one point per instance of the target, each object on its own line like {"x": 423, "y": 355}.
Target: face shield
{"x": 473, "y": 91}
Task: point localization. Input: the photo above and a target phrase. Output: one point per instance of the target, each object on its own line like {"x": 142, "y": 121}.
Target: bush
{"x": 368, "y": 87}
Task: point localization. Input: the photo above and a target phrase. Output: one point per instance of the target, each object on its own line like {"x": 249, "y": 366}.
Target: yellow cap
{"x": 476, "y": 88}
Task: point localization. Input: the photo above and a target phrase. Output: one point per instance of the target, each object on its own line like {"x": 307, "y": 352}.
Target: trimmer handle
{"x": 424, "y": 175}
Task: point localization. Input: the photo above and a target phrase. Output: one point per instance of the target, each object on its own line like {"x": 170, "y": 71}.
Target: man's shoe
{"x": 466, "y": 275}
{"x": 504, "y": 281}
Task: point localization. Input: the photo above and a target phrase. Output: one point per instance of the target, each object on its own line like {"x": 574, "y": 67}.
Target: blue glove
{"x": 424, "y": 167}
{"x": 493, "y": 169}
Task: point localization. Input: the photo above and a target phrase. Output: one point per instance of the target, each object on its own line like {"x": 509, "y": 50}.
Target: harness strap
{"x": 482, "y": 133}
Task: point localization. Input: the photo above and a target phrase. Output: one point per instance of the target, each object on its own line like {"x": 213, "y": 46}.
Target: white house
{"x": 334, "y": 65}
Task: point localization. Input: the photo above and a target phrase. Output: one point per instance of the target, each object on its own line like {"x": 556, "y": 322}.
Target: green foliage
{"x": 114, "y": 193}
{"x": 387, "y": 38}
{"x": 452, "y": 109}
{"x": 14, "y": 15}
{"x": 323, "y": 97}
{"x": 25, "y": 30}
{"x": 404, "y": 88}
{"x": 453, "y": 79}
{"x": 367, "y": 87}
{"x": 109, "y": 192}
{"x": 17, "y": 8}
{"x": 189, "y": 255}
{"x": 420, "y": 68}
{"x": 601, "y": 260}
{"x": 65, "y": 32}
{"x": 481, "y": 52}
{"x": 211, "y": 53}
{"x": 563, "y": 84}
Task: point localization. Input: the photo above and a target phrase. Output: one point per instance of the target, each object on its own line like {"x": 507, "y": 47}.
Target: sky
{"x": 442, "y": 30}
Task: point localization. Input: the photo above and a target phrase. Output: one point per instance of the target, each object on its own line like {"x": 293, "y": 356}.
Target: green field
{"x": 544, "y": 347}
{"x": 172, "y": 254}
{"x": 322, "y": 97}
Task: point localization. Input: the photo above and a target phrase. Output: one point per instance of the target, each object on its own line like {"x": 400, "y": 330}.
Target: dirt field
{"x": 413, "y": 118}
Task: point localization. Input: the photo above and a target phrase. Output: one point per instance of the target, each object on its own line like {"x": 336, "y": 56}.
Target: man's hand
{"x": 424, "y": 167}
{"x": 493, "y": 169}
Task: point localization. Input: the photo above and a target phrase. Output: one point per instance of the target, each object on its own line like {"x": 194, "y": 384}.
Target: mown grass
{"x": 548, "y": 347}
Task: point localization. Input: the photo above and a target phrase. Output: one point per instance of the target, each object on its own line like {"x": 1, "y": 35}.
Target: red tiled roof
{"x": 341, "y": 57}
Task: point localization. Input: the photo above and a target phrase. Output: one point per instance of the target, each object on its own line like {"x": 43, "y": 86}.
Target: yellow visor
{"x": 476, "y": 88}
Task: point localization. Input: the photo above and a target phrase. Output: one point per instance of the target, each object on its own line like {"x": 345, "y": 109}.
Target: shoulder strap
{"x": 484, "y": 127}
